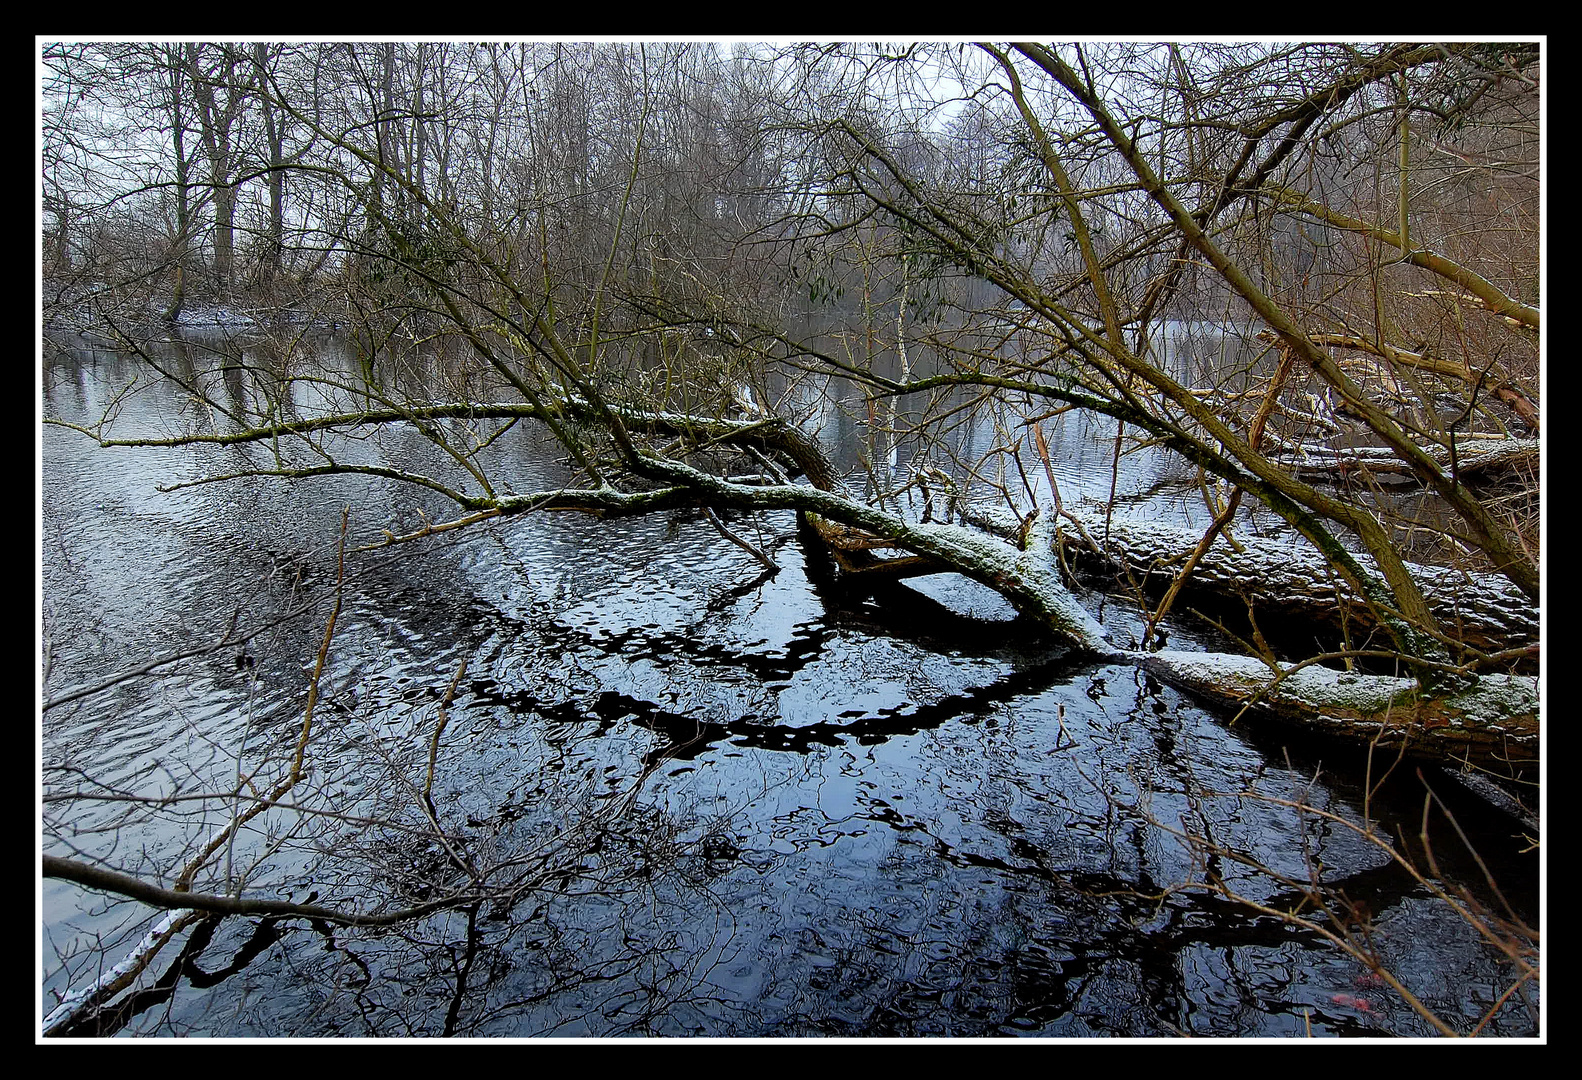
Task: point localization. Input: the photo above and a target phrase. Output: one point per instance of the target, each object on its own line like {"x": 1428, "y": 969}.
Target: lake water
{"x": 734, "y": 805}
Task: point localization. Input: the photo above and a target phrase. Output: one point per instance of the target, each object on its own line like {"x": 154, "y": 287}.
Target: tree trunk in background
{"x": 275, "y": 230}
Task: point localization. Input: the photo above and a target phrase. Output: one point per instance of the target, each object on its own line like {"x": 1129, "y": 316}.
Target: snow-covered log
{"x": 1288, "y": 577}
{"x": 1474, "y": 459}
{"x": 1028, "y": 579}
{"x": 1493, "y": 725}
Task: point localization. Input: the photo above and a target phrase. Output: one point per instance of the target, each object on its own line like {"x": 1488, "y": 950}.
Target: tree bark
{"x": 1484, "y": 611}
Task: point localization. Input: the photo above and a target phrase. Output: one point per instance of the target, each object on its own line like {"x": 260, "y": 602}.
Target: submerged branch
{"x": 112, "y": 881}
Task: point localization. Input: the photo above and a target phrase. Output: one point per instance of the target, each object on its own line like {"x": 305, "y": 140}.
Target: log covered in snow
{"x": 1288, "y": 577}
{"x": 1485, "y": 460}
{"x": 1493, "y": 725}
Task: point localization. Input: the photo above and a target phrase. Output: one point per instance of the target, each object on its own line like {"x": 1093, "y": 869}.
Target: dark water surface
{"x": 739, "y": 806}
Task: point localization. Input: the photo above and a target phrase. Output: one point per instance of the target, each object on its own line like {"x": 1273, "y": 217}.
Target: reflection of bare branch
{"x": 101, "y": 878}
{"x": 227, "y": 640}
{"x": 1345, "y": 923}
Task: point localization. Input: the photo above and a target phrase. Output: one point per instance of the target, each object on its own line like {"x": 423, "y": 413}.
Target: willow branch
{"x": 1487, "y": 293}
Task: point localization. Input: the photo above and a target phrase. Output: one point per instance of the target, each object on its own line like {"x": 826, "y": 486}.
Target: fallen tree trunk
{"x": 1493, "y": 726}
{"x": 1484, "y": 611}
{"x": 1021, "y": 567}
{"x": 1475, "y": 459}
